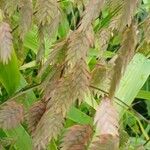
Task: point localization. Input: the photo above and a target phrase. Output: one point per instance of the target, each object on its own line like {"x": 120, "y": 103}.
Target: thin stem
{"x": 22, "y": 91}
{"x": 129, "y": 108}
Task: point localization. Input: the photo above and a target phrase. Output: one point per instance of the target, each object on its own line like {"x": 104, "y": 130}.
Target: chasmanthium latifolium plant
{"x": 64, "y": 77}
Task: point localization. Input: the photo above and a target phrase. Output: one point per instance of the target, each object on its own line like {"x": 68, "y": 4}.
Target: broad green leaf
{"x": 77, "y": 116}
{"x": 9, "y": 74}
{"x": 135, "y": 76}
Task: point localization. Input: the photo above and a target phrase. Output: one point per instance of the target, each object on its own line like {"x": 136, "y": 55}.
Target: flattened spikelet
{"x": 10, "y": 6}
{"x": 50, "y": 125}
{"x": 103, "y": 39}
{"x": 52, "y": 121}
{"x": 81, "y": 79}
{"x": 113, "y": 4}
{"x": 62, "y": 96}
{"x": 58, "y": 51}
{"x": 128, "y": 11}
{"x": 6, "y": 44}
{"x": 34, "y": 115}
{"x": 91, "y": 12}
{"x": 106, "y": 118}
{"x": 26, "y": 12}
{"x": 79, "y": 44}
{"x": 146, "y": 28}
{"x": 56, "y": 56}
{"x": 11, "y": 114}
{"x": 105, "y": 142}
{"x": 126, "y": 53}
{"x": 107, "y": 124}
{"x": 48, "y": 19}
{"x": 77, "y": 137}
{"x": 48, "y": 14}
{"x": 101, "y": 77}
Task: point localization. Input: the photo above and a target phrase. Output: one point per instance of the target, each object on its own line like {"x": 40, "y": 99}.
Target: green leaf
{"x": 79, "y": 117}
{"x": 23, "y": 140}
{"x": 52, "y": 146}
{"x": 9, "y": 74}
{"x": 135, "y": 76}
{"x": 143, "y": 95}
{"x": 64, "y": 26}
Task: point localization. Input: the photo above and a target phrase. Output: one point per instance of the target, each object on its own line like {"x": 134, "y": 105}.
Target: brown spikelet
{"x": 101, "y": 77}
{"x": 6, "y": 45}
{"x": 47, "y": 18}
{"x": 56, "y": 56}
{"x": 115, "y": 7}
{"x": 77, "y": 137}
{"x": 80, "y": 4}
{"x": 144, "y": 46}
{"x": 49, "y": 9}
{"x": 103, "y": 38}
{"x": 34, "y": 115}
{"x": 58, "y": 53}
{"x": 105, "y": 142}
{"x": 76, "y": 79}
{"x": 146, "y": 28}
{"x": 1, "y": 146}
{"x": 26, "y": 11}
{"x": 48, "y": 15}
{"x": 99, "y": 74}
{"x": 51, "y": 122}
{"x": 6, "y": 141}
{"x": 91, "y": 12}
{"x": 49, "y": 126}
{"x": 123, "y": 13}
{"x": 127, "y": 13}
{"x": 80, "y": 81}
{"x": 79, "y": 44}
{"x": 11, "y": 114}
{"x": 107, "y": 124}
{"x": 61, "y": 100}
{"x": 10, "y": 6}
{"x": 106, "y": 118}
{"x": 126, "y": 53}
{"x": 114, "y": 4}
{"x": 114, "y": 23}
{"x": 62, "y": 96}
